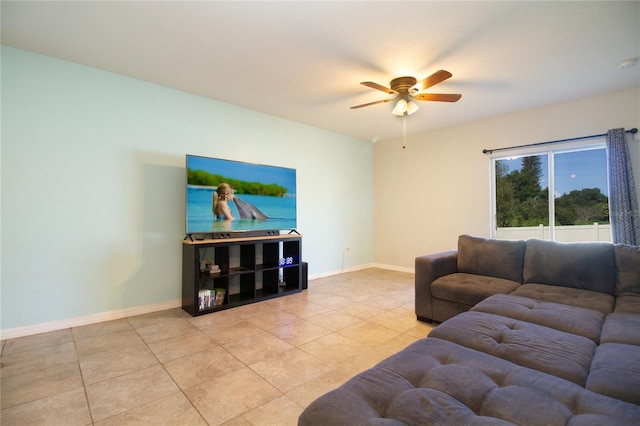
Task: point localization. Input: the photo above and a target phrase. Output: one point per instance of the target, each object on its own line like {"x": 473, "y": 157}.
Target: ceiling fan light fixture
{"x": 400, "y": 108}
{"x": 412, "y": 107}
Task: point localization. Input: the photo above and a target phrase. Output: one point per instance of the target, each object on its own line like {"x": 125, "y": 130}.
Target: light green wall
{"x": 440, "y": 182}
{"x": 93, "y": 186}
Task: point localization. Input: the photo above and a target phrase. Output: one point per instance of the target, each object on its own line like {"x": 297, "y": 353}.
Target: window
{"x": 558, "y": 194}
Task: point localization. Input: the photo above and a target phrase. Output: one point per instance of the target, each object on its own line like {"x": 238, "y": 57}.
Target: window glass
{"x": 581, "y": 196}
{"x": 522, "y": 197}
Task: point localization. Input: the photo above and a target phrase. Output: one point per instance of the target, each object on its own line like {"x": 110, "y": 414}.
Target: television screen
{"x": 264, "y": 197}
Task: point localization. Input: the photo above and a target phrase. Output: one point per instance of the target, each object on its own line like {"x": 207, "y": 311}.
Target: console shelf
{"x": 251, "y": 270}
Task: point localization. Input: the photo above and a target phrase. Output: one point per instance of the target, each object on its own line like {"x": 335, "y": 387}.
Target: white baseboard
{"x": 360, "y": 268}
{"x": 339, "y": 271}
{"x": 28, "y": 330}
{"x": 394, "y": 268}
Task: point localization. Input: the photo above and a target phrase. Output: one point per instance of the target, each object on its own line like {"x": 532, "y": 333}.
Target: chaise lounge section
{"x": 533, "y": 332}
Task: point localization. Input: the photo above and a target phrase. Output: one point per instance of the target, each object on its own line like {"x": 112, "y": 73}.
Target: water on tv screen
{"x": 264, "y": 197}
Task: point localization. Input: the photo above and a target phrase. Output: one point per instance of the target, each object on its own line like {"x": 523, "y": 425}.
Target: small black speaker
{"x": 305, "y": 275}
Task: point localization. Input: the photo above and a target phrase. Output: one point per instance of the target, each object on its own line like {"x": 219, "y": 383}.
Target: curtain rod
{"x": 489, "y": 151}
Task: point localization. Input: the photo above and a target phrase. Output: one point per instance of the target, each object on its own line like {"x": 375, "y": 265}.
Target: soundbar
{"x": 224, "y": 235}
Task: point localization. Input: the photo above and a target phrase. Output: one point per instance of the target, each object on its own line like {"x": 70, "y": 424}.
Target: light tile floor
{"x": 258, "y": 364}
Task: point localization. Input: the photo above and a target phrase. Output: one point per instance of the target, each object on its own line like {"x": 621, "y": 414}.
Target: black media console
{"x": 222, "y": 273}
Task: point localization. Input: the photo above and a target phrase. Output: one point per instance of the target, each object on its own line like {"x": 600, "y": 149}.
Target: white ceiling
{"x": 304, "y": 60}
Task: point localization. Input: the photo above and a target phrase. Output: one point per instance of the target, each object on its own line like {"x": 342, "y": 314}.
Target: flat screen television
{"x": 265, "y": 196}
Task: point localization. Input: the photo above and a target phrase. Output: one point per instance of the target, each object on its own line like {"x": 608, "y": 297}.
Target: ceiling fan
{"x": 408, "y": 89}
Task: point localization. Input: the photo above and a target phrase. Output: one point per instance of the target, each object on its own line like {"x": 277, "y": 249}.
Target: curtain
{"x": 623, "y": 198}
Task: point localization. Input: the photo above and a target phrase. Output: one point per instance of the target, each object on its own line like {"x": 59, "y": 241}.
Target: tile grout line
{"x": 84, "y": 385}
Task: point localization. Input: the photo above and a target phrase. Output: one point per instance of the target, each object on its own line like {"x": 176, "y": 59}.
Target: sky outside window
{"x": 574, "y": 170}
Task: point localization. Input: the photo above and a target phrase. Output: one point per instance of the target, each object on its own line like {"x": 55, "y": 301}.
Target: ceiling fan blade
{"x": 378, "y": 87}
{"x": 371, "y": 103}
{"x": 440, "y": 97}
{"x": 432, "y": 80}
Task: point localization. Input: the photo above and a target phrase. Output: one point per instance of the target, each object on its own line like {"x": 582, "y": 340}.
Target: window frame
{"x": 550, "y": 151}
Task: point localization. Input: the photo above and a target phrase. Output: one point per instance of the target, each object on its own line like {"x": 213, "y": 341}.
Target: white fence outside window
{"x": 567, "y": 234}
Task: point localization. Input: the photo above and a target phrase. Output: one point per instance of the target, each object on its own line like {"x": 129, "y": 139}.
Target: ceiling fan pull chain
{"x": 404, "y": 131}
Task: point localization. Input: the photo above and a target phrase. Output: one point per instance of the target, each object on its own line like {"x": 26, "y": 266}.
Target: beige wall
{"x": 438, "y": 187}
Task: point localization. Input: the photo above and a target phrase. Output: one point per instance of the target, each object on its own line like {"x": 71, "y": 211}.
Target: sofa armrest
{"x": 428, "y": 269}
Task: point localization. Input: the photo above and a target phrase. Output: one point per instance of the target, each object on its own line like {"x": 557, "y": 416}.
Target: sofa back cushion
{"x": 587, "y": 266}
{"x": 494, "y": 258}
{"x": 627, "y": 269}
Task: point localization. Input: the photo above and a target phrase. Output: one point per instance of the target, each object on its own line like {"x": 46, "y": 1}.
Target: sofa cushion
{"x": 587, "y": 266}
{"x": 568, "y": 296}
{"x": 621, "y": 328}
{"x": 570, "y": 319}
{"x": 629, "y": 304}
{"x": 436, "y": 382}
{"x": 627, "y": 269}
{"x": 615, "y": 372}
{"x": 470, "y": 289}
{"x": 494, "y": 258}
{"x": 540, "y": 348}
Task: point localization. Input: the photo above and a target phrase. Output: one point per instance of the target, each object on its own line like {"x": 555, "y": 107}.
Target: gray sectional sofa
{"x": 590, "y": 275}
{"x": 533, "y": 333}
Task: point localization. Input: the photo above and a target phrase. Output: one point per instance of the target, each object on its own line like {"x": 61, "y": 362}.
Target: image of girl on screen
{"x": 221, "y": 196}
